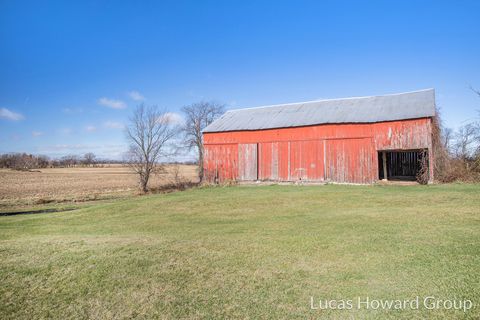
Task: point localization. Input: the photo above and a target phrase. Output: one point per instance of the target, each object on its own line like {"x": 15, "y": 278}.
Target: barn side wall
{"x": 329, "y": 152}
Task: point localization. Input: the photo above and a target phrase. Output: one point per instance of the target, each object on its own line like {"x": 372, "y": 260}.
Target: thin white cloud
{"x": 10, "y": 115}
{"x": 15, "y": 137}
{"x": 111, "y": 103}
{"x": 65, "y": 131}
{"x": 113, "y": 125}
{"x": 174, "y": 118}
{"x": 37, "y": 134}
{"x": 72, "y": 110}
{"x": 102, "y": 150}
{"x": 135, "y": 95}
{"x": 90, "y": 128}
{"x": 67, "y": 147}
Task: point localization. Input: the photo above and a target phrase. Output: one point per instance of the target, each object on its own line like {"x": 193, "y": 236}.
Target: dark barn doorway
{"x": 401, "y": 165}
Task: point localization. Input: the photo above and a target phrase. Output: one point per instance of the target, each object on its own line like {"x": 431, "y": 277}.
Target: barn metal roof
{"x": 400, "y": 106}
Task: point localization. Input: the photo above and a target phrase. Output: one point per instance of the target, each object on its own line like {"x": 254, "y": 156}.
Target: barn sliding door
{"x": 247, "y": 161}
{"x": 306, "y": 160}
{"x": 268, "y": 161}
{"x": 350, "y": 160}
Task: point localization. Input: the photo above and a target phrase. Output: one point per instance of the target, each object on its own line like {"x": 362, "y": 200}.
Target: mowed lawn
{"x": 258, "y": 252}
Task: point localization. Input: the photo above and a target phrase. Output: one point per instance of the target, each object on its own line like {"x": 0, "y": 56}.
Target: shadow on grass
{"x": 14, "y": 213}
{"x": 172, "y": 187}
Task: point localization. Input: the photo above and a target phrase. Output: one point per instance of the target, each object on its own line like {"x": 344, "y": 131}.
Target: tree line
{"x": 456, "y": 152}
{"x": 26, "y": 161}
{"x": 153, "y": 135}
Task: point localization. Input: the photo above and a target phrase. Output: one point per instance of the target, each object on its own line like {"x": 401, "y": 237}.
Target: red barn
{"x": 352, "y": 140}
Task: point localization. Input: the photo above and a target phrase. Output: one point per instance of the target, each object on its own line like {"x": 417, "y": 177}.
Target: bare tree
{"x": 70, "y": 160}
{"x": 149, "y": 132}
{"x": 197, "y": 117}
{"x": 465, "y": 138}
{"x": 89, "y": 159}
{"x": 447, "y": 136}
{"x": 462, "y": 162}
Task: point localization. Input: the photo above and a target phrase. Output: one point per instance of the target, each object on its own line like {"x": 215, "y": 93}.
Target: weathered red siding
{"x": 328, "y": 152}
{"x": 222, "y": 162}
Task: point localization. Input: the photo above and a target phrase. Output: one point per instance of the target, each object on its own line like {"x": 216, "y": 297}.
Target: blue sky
{"x": 72, "y": 71}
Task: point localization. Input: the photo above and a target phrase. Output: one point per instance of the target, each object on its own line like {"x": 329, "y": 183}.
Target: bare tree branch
{"x": 465, "y": 139}
{"x": 89, "y": 159}
{"x": 149, "y": 132}
{"x": 447, "y": 137}
{"x": 197, "y": 117}
{"x": 475, "y": 90}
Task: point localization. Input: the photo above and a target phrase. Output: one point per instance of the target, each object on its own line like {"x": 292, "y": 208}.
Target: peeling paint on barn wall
{"x": 328, "y": 152}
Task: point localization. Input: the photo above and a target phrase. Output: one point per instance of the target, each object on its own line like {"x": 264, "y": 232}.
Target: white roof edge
{"x": 366, "y": 109}
{"x": 333, "y": 99}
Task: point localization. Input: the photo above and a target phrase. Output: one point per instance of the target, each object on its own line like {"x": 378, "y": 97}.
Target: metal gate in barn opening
{"x": 401, "y": 165}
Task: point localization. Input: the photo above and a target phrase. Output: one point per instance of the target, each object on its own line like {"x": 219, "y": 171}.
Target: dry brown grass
{"x": 79, "y": 184}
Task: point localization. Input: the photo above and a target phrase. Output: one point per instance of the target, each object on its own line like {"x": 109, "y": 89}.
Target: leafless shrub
{"x": 441, "y": 140}
{"x": 458, "y": 158}
{"x": 176, "y": 175}
{"x": 43, "y": 201}
{"x": 178, "y": 181}
{"x": 172, "y": 187}
{"x": 423, "y": 174}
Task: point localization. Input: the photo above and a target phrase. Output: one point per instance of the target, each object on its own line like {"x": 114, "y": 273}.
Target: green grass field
{"x": 258, "y": 252}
